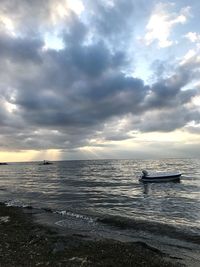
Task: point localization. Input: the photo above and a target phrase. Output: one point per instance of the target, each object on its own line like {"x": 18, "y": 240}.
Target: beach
{"x": 25, "y": 242}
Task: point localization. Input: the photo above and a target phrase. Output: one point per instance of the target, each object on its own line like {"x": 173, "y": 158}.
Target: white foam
{"x": 4, "y": 219}
{"x": 75, "y": 215}
{"x": 16, "y": 203}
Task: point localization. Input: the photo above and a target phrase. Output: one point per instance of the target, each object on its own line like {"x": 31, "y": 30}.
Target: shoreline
{"x": 25, "y": 242}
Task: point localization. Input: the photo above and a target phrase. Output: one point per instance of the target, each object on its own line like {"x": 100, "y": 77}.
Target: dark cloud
{"x": 167, "y": 120}
{"x": 112, "y": 19}
{"x": 20, "y": 49}
{"x": 91, "y": 60}
{"x": 168, "y": 92}
{"x": 115, "y": 20}
{"x": 64, "y": 98}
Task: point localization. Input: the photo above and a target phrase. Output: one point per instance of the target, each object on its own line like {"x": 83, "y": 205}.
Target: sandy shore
{"x": 24, "y": 242}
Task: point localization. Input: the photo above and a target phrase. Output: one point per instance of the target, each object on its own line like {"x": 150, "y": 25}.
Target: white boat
{"x": 160, "y": 176}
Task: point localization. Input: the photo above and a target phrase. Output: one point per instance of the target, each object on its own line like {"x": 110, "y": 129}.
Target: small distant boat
{"x": 160, "y": 176}
{"x": 45, "y": 162}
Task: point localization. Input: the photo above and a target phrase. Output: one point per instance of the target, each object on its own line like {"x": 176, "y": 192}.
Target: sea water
{"x": 107, "y": 189}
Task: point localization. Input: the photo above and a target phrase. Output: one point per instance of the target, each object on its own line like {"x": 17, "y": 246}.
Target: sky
{"x": 99, "y": 79}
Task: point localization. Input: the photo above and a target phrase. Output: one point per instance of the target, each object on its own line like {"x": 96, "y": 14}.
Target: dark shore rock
{"x": 25, "y": 243}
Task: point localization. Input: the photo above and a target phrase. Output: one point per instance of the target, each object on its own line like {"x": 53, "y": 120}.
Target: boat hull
{"x": 161, "y": 178}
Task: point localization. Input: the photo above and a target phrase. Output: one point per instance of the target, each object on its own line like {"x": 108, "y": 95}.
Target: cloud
{"x": 81, "y": 94}
{"x": 115, "y": 21}
{"x": 167, "y": 120}
{"x": 33, "y": 18}
{"x": 193, "y": 37}
{"x": 20, "y": 49}
{"x": 161, "y": 24}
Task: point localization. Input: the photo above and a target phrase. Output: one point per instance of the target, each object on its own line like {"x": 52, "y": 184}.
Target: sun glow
{"x": 29, "y": 155}
{"x": 196, "y": 101}
{"x": 179, "y": 136}
{"x": 8, "y": 24}
{"x": 11, "y": 108}
{"x": 76, "y": 5}
{"x": 91, "y": 152}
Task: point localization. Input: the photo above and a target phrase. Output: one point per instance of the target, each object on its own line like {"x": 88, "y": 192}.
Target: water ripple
{"x": 107, "y": 187}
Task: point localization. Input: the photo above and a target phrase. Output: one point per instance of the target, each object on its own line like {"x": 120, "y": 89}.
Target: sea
{"x": 107, "y": 191}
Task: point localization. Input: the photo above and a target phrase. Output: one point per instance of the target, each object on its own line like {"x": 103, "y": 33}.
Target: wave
{"x": 157, "y": 228}
{"x": 123, "y": 223}
{"x": 75, "y": 215}
{"x": 20, "y": 204}
{"x": 17, "y": 203}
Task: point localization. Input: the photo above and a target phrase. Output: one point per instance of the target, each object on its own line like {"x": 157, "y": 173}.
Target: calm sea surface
{"x": 107, "y": 187}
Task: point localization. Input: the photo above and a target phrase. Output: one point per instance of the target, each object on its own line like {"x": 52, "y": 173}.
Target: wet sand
{"x": 23, "y": 242}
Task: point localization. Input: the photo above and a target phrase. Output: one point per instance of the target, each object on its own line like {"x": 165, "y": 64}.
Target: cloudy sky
{"x": 99, "y": 79}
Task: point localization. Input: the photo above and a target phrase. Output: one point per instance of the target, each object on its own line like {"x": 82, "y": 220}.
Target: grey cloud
{"x": 117, "y": 137}
{"x": 116, "y": 21}
{"x": 20, "y": 49}
{"x": 91, "y": 60}
{"x": 193, "y": 129}
{"x": 74, "y": 32}
{"x": 93, "y": 106}
{"x": 168, "y": 92}
{"x": 109, "y": 19}
{"x": 77, "y": 90}
{"x": 166, "y": 120}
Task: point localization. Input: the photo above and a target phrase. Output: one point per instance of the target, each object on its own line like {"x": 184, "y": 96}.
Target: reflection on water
{"x": 146, "y": 188}
{"x": 107, "y": 187}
